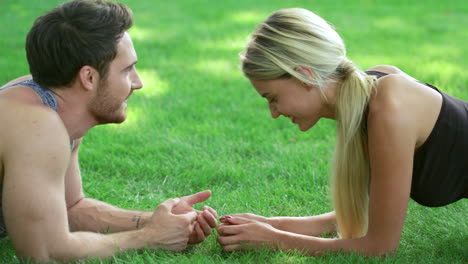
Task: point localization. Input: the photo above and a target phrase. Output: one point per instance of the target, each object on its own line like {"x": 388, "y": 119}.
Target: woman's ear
{"x": 304, "y": 70}
{"x": 88, "y": 77}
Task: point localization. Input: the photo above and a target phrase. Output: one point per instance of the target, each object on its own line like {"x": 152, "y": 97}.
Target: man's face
{"x": 110, "y": 102}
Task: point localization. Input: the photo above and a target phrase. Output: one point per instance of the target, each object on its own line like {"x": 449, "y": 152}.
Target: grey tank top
{"x": 49, "y": 100}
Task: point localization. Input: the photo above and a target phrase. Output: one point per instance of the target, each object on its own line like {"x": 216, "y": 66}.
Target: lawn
{"x": 197, "y": 124}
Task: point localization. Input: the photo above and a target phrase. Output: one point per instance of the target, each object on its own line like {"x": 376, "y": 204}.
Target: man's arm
{"x": 36, "y": 154}
{"x": 85, "y": 214}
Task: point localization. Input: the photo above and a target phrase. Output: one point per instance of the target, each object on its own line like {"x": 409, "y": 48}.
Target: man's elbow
{"x": 35, "y": 256}
{"x": 44, "y": 253}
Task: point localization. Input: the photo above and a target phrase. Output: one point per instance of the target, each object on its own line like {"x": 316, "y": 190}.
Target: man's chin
{"x": 115, "y": 119}
{"x": 304, "y": 128}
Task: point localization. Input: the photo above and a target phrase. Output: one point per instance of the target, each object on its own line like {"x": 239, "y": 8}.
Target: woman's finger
{"x": 229, "y": 230}
{"x": 230, "y": 248}
{"x": 235, "y": 220}
{"x": 229, "y": 240}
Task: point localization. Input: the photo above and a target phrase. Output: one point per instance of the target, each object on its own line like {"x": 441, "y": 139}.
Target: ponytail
{"x": 350, "y": 174}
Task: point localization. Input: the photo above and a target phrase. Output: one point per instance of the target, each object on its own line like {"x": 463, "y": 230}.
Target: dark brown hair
{"x": 72, "y": 35}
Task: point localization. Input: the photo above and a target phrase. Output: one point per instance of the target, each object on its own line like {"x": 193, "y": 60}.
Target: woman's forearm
{"x": 316, "y": 246}
{"x": 309, "y": 225}
{"x": 96, "y": 216}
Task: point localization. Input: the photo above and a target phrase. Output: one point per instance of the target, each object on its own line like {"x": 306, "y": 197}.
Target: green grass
{"x": 197, "y": 124}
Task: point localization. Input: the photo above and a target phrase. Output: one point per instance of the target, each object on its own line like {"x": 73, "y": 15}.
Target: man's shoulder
{"x": 25, "y": 123}
{"x": 19, "y": 79}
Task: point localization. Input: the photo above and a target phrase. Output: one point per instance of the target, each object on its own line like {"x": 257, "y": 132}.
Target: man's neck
{"x": 73, "y": 110}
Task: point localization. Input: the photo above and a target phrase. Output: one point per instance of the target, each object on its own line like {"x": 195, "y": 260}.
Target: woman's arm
{"x": 308, "y": 225}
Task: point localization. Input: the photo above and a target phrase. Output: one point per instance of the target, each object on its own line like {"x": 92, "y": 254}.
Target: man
{"x": 82, "y": 63}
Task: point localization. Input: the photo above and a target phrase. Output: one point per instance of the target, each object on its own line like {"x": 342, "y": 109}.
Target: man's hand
{"x": 170, "y": 231}
{"x": 206, "y": 219}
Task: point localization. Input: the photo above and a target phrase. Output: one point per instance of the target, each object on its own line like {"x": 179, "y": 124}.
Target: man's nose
{"x": 136, "y": 81}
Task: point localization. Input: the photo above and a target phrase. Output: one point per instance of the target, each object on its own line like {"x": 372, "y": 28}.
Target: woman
{"x": 396, "y": 138}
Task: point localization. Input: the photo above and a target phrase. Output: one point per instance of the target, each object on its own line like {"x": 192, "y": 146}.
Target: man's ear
{"x": 88, "y": 77}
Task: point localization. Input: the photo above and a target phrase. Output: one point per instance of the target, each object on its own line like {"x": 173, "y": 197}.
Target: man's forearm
{"x": 82, "y": 245}
{"x": 96, "y": 216}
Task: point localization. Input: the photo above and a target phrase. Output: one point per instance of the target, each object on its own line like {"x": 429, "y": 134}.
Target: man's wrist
{"x": 140, "y": 220}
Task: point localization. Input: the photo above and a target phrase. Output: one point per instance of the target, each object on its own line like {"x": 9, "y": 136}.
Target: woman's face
{"x": 290, "y": 97}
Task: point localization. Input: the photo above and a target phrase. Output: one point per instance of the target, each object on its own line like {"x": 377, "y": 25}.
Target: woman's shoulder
{"x": 399, "y": 98}
{"x": 391, "y": 70}
{"x": 390, "y": 88}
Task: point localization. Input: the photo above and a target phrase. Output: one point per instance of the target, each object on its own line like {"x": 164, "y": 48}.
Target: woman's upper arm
{"x": 391, "y": 142}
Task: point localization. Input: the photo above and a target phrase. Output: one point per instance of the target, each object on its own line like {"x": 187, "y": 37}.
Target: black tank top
{"x": 440, "y": 166}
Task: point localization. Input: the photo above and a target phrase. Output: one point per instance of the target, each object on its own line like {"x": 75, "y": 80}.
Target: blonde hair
{"x": 295, "y": 37}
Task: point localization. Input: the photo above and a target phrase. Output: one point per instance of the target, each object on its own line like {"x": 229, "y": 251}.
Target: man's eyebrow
{"x": 130, "y": 66}
{"x": 265, "y": 94}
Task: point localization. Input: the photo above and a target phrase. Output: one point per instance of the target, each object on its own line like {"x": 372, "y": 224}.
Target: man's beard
{"x": 105, "y": 108}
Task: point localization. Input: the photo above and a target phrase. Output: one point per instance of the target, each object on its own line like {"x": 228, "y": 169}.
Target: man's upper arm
{"x": 73, "y": 186}
{"x": 35, "y": 157}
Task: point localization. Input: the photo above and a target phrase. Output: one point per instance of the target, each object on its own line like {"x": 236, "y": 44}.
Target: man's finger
{"x": 192, "y": 216}
{"x": 204, "y": 225}
{"x": 197, "y": 197}
{"x": 200, "y": 236}
{"x": 211, "y": 210}
{"x": 210, "y": 218}
{"x": 168, "y": 204}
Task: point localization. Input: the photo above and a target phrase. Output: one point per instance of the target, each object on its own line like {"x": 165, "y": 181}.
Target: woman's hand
{"x": 255, "y": 217}
{"x": 237, "y": 233}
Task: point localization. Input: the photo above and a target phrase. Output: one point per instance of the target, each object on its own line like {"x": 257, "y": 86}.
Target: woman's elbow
{"x": 380, "y": 248}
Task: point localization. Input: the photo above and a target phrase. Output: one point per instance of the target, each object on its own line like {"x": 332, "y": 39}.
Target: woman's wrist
{"x": 273, "y": 221}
